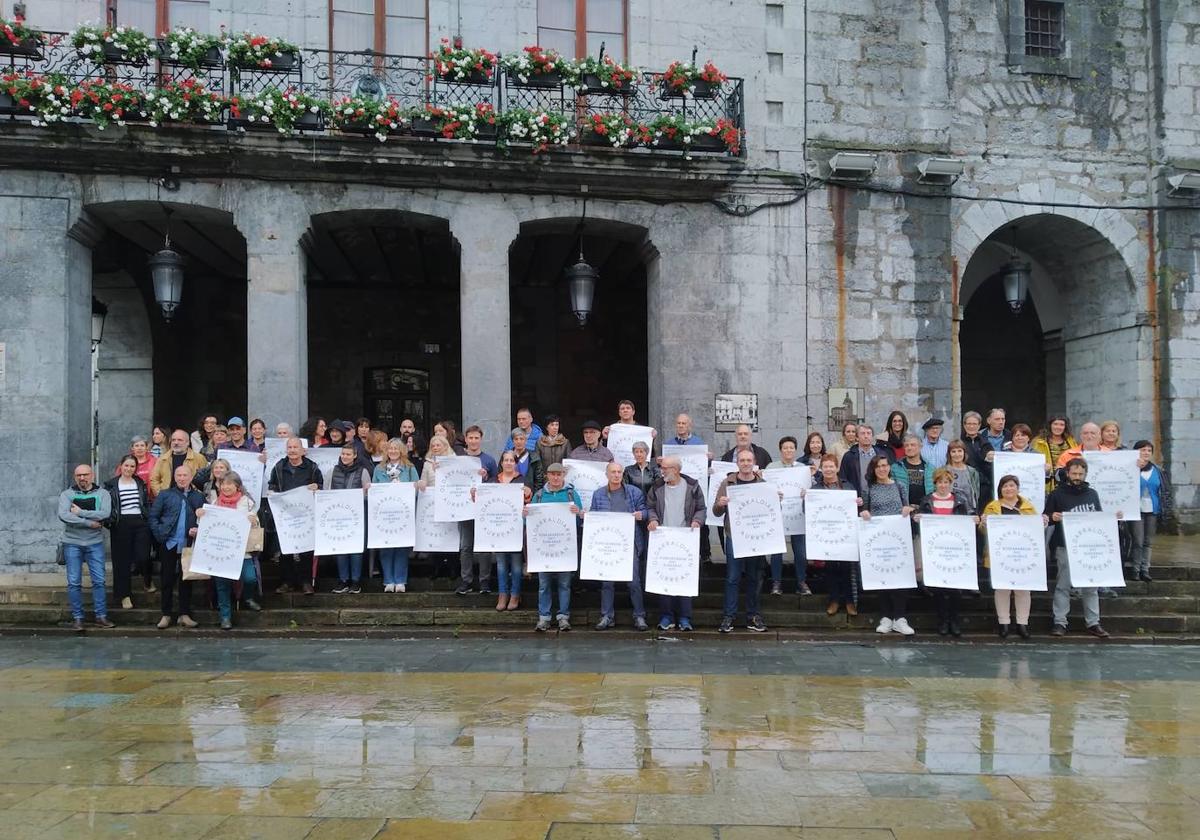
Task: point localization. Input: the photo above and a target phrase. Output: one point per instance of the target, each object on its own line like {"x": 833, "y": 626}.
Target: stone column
{"x": 45, "y": 378}
{"x": 276, "y": 311}
{"x": 485, "y": 323}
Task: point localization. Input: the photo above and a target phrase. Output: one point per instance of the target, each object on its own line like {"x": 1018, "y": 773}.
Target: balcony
{"x": 408, "y": 81}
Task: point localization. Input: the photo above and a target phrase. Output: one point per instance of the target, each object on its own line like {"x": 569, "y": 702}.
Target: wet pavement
{"x": 594, "y": 739}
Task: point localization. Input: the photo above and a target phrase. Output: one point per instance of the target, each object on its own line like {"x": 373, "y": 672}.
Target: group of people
{"x": 154, "y": 500}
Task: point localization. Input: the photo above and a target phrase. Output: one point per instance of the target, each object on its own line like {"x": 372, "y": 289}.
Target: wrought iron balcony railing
{"x": 333, "y": 75}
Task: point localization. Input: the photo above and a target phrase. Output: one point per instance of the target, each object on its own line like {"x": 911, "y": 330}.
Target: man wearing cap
{"x": 933, "y": 448}
{"x": 237, "y": 436}
{"x": 556, "y": 490}
{"x": 591, "y": 449}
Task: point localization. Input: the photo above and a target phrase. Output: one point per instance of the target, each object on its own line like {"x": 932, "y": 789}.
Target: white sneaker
{"x": 900, "y": 625}
{"x": 389, "y": 587}
{"x": 885, "y": 626}
{"x": 399, "y": 588}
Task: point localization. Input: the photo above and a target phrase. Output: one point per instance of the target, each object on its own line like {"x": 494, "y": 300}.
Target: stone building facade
{"x": 768, "y": 274}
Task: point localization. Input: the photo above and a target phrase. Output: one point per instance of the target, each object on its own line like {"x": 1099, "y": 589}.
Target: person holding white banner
{"x": 753, "y": 566}
{"x": 625, "y": 416}
{"x": 1009, "y": 502}
{"x": 943, "y": 502}
{"x": 292, "y": 472}
{"x": 508, "y": 563}
{"x": 394, "y": 467}
{"x": 348, "y": 474}
{"x": 841, "y": 576}
{"x": 788, "y": 449}
{"x": 883, "y": 496}
{"x": 1071, "y": 496}
{"x": 439, "y": 447}
{"x": 675, "y": 501}
{"x": 556, "y": 491}
{"x": 233, "y": 495}
{"x": 619, "y": 497}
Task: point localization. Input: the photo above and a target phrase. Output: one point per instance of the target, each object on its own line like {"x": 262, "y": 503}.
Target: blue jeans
{"x": 75, "y": 555}
{"x": 545, "y": 581}
{"x": 508, "y": 573}
{"x": 754, "y": 567}
{"x": 608, "y": 594}
{"x": 225, "y": 588}
{"x": 801, "y": 562}
{"x": 394, "y": 563}
{"x": 349, "y": 567}
{"x": 675, "y": 607}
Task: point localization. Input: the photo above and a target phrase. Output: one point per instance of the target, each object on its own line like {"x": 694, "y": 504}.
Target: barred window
{"x": 1043, "y": 28}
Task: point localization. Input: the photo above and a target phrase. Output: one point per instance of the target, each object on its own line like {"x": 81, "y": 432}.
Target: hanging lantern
{"x": 1015, "y": 276}
{"x": 99, "y": 313}
{"x": 166, "y": 270}
{"x": 581, "y": 282}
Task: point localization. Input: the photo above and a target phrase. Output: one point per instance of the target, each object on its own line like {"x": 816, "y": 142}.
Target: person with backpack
{"x": 556, "y": 490}
{"x": 130, "y": 500}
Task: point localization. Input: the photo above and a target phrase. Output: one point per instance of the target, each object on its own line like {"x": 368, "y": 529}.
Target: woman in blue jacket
{"x": 1156, "y": 504}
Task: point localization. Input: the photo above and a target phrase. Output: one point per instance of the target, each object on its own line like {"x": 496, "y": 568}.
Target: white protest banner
{"x": 340, "y": 526}
{"x": 586, "y": 477}
{"x": 622, "y": 437}
{"x": 1030, "y": 470}
{"x": 276, "y": 449}
{"x": 433, "y": 536}
{"x": 1017, "y": 552}
{"x": 831, "y": 525}
{"x": 499, "y": 525}
{"x": 391, "y": 514}
{"x": 607, "y": 546}
{"x": 248, "y": 468}
{"x": 1093, "y": 549}
{"x": 1114, "y": 477}
{"x": 552, "y": 537}
{"x": 948, "y": 551}
{"x": 755, "y": 519}
{"x": 885, "y": 551}
{"x": 456, "y": 475}
{"x": 220, "y": 544}
{"x": 793, "y": 483}
{"x": 719, "y": 471}
{"x": 693, "y": 458}
{"x": 673, "y": 562}
{"x": 325, "y": 457}
{"x": 293, "y": 515}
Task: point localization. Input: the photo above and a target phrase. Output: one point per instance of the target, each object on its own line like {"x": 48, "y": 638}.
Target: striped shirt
{"x": 131, "y": 502}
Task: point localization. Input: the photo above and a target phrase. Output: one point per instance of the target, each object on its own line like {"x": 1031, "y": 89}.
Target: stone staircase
{"x": 1167, "y": 610}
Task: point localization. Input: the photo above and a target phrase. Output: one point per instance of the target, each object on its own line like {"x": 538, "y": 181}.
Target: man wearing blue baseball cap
{"x": 237, "y": 436}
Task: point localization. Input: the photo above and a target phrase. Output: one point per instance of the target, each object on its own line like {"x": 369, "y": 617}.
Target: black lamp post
{"x": 166, "y": 271}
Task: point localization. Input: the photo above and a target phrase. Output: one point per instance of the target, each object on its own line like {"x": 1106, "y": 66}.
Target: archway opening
{"x": 1080, "y": 344}
{"x": 150, "y": 370}
{"x": 558, "y": 366}
{"x": 383, "y": 318}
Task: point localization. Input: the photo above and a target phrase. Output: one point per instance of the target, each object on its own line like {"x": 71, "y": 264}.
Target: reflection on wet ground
{"x": 594, "y": 740}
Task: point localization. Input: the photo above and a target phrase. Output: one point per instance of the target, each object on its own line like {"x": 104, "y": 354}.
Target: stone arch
{"x": 1084, "y": 345}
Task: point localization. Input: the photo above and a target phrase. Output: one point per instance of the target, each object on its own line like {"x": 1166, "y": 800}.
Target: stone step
{"x": 1137, "y": 598}
{"x": 1115, "y": 618}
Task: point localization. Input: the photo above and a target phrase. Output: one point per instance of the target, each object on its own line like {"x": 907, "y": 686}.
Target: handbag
{"x": 255, "y": 540}
{"x": 185, "y": 561}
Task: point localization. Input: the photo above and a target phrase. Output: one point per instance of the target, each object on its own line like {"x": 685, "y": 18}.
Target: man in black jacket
{"x": 675, "y": 500}
{"x": 853, "y": 469}
{"x": 742, "y": 442}
{"x": 295, "y": 471}
{"x": 1074, "y": 496}
{"x": 173, "y": 523}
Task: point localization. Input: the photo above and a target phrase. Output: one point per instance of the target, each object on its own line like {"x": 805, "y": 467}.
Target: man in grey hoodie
{"x": 83, "y": 507}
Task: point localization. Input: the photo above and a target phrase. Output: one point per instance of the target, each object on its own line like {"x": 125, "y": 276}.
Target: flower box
{"x": 8, "y": 105}
{"x": 485, "y": 133}
{"x": 593, "y": 85}
{"x": 282, "y": 63}
{"x": 550, "y": 80}
{"x": 424, "y": 127}
{"x": 700, "y": 89}
{"x": 475, "y": 77}
{"x": 114, "y": 54}
{"x": 307, "y": 121}
{"x": 708, "y": 143}
{"x": 29, "y": 47}
{"x": 211, "y": 57}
